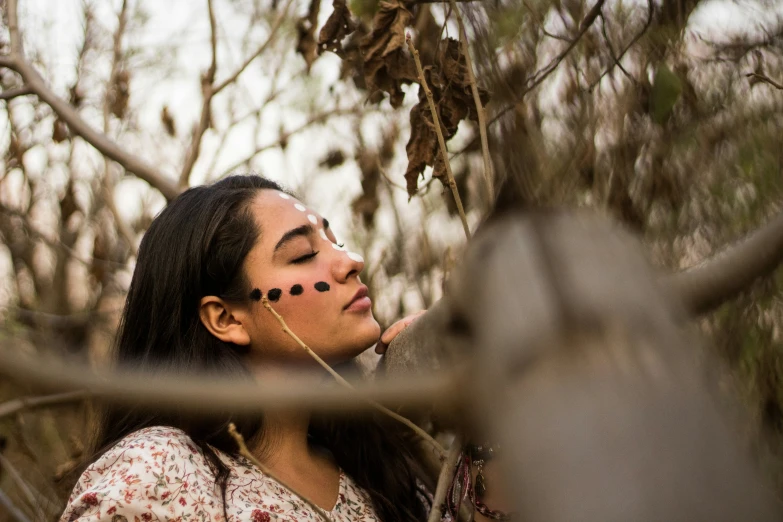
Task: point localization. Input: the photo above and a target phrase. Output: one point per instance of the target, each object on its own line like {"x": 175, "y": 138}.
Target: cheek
{"x": 299, "y": 295}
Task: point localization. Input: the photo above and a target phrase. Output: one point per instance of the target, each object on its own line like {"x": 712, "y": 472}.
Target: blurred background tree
{"x": 664, "y": 115}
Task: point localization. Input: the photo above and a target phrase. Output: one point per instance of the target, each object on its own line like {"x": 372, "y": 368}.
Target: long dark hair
{"x": 194, "y": 248}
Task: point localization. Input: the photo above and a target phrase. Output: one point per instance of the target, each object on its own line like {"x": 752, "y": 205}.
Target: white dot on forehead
{"x": 322, "y": 233}
{"x": 283, "y": 195}
{"x": 355, "y": 257}
{"x": 312, "y": 219}
{"x": 299, "y": 206}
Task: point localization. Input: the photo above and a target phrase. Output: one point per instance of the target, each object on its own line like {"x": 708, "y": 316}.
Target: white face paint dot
{"x": 312, "y": 219}
{"x": 283, "y": 195}
{"x": 355, "y": 257}
{"x": 337, "y": 247}
{"x": 322, "y": 233}
{"x": 299, "y": 206}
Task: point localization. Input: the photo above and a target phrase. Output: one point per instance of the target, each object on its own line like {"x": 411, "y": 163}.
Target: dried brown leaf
{"x": 305, "y": 27}
{"x": 339, "y": 25}
{"x": 386, "y": 64}
{"x": 59, "y": 131}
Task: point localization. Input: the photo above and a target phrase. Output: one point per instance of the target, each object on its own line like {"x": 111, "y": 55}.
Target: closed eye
{"x": 305, "y": 258}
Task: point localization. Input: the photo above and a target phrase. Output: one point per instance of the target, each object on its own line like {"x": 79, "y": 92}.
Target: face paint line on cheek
{"x": 274, "y": 294}
{"x": 300, "y": 207}
{"x": 297, "y": 290}
{"x": 255, "y": 295}
{"x": 355, "y": 257}
{"x": 322, "y": 286}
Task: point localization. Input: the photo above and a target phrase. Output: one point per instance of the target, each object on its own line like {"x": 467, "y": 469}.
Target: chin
{"x": 362, "y": 338}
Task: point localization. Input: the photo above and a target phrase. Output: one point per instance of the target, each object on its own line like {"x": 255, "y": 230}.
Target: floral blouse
{"x": 159, "y": 474}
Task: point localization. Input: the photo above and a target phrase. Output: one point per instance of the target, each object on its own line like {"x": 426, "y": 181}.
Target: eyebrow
{"x": 302, "y": 231}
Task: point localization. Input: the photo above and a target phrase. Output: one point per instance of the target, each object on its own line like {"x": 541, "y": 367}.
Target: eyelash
{"x": 304, "y": 258}
{"x": 340, "y": 245}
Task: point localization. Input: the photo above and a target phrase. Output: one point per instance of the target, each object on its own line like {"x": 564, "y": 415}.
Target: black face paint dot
{"x": 255, "y": 295}
{"x": 274, "y": 294}
{"x": 322, "y": 286}
{"x": 297, "y": 290}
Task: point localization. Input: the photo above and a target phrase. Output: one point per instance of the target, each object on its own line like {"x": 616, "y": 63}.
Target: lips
{"x": 359, "y": 299}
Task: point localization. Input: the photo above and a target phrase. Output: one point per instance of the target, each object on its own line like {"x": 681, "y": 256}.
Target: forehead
{"x": 276, "y": 213}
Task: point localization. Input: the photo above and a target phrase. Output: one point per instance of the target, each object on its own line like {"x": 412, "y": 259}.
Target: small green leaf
{"x": 666, "y": 90}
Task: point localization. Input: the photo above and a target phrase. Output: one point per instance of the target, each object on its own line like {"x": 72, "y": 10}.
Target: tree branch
{"x": 439, "y": 132}
{"x": 14, "y": 511}
{"x": 445, "y": 477}
{"x": 207, "y": 92}
{"x": 35, "y": 82}
{"x": 27, "y": 403}
{"x": 732, "y": 270}
{"x": 10, "y": 94}
{"x": 765, "y": 79}
{"x": 272, "y": 33}
{"x": 205, "y": 395}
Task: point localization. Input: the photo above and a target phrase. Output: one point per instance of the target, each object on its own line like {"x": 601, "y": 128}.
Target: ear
{"x": 217, "y": 317}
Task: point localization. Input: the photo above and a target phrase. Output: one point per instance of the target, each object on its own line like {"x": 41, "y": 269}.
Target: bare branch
{"x": 14, "y": 511}
{"x": 205, "y": 395}
{"x": 726, "y": 274}
{"x": 33, "y": 497}
{"x": 207, "y": 92}
{"x": 443, "y": 150}
{"x": 272, "y": 33}
{"x": 482, "y": 115}
{"x": 318, "y": 118}
{"x": 10, "y": 94}
{"x": 35, "y": 82}
{"x": 445, "y": 478}
{"x": 245, "y": 452}
{"x": 340, "y": 380}
{"x": 764, "y": 79}
{"x": 27, "y": 403}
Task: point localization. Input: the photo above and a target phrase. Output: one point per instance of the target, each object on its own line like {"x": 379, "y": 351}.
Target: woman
{"x": 194, "y": 307}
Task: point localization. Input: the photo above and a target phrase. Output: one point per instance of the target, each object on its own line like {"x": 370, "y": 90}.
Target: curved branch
{"x": 709, "y": 284}
{"x": 35, "y": 82}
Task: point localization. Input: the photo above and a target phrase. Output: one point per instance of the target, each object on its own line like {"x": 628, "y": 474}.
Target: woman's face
{"x": 311, "y": 281}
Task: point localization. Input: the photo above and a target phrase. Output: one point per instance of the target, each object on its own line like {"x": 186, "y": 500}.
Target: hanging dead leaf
{"x": 339, "y": 25}
{"x": 168, "y": 121}
{"x": 119, "y": 94}
{"x": 59, "y": 131}
{"x": 386, "y": 64}
{"x": 68, "y": 205}
{"x": 367, "y": 203}
{"x": 449, "y": 82}
{"x": 305, "y": 27}
{"x": 334, "y": 158}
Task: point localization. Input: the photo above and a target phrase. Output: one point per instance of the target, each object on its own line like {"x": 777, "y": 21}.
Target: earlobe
{"x": 219, "y": 319}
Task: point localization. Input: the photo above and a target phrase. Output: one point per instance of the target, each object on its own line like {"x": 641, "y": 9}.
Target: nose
{"x": 346, "y": 264}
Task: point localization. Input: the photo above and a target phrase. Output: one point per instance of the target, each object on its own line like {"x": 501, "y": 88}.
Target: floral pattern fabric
{"x": 159, "y": 474}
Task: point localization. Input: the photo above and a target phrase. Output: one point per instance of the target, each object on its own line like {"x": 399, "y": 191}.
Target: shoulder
{"x": 156, "y": 473}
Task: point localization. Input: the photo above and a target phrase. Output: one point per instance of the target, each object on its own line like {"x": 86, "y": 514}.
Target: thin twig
{"x": 318, "y": 118}
{"x": 445, "y": 478}
{"x": 765, "y": 79}
{"x": 650, "y": 10}
{"x": 107, "y": 186}
{"x": 611, "y": 50}
{"x": 245, "y": 452}
{"x": 27, "y": 490}
{"x": 272, "y": 33}
{"x": 542, "y": 74}
{"x": 436, "y": 121}
{"x": 207, "y": 92}
{"x": 339, "y": 378}
{"x": 10, "y": 94}
{"x": 14, "y": 511}
{"x": 482, "y": 115}
{"x": 28, "y": 403}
